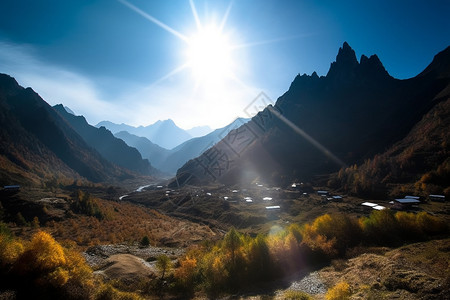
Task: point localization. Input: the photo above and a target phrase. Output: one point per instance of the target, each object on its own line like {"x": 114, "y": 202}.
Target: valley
{"x": 178, "y": 220}
{"x": 333, "y": 192}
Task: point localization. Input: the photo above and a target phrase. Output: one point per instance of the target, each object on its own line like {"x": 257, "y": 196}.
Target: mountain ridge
{"x": 359, "y": 99}
{"x": 165, "y": 133}
{"x": 170, "y": 160}
{"x": 113, "y": 149}
{"x": 57, "y": 141}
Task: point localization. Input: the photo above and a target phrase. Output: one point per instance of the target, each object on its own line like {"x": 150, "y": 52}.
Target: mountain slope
{"x": 323, "y": 123}
{"x": 422, "y": 157}
{"x": 37, "y": 143}
{"x": 154, "y": 153}
{"x": 163, "y": 133}
{"x": 113, "y": 149}
{"x": 196, "y": 146}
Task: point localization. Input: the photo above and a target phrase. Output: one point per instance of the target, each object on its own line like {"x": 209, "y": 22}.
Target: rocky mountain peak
{"x": 345, "y": 64}
{"x": 372, "y": 66}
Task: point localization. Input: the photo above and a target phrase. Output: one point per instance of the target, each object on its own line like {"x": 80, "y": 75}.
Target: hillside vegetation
{"x": 418, "y": 164}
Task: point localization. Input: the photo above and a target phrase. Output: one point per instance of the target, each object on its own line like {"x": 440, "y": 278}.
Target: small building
{"x": 379, "y": 207}
{"x": 369, "y": 204}
{"x": 412, "y": 197}
{"x": 273, "y": 212}
{"x": 337, "y": 198}
{"x": 248, "y": 199}
{"x": 322, "y": 193}
{"x": 405, "y": 203}
{"x": 373, "y": 205}
{"x": 267, "y": 198}
{"x": 440, "y": 198}
{"x": 273, "y": 207}
{"x": 11, "y": 187}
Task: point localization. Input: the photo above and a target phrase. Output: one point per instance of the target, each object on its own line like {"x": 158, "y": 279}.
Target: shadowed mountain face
{"x": 36, "y": 142}
{"x": 324, "y": 123}
{"x": 420, "y": 162}
{"x": 163, "y": 133}
{"x": 154, "y": 153}
{"x": 113, "y": 149}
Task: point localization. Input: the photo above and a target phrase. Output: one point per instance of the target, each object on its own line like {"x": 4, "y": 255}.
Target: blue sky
{"x": 126, "y": 61}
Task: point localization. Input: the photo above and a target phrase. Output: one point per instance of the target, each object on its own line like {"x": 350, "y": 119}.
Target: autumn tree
{"x": 186, "y": 275}
{"x": 43, "y": 268}
{"x": 163, "y": 264}
{"x": 232, "y": 243}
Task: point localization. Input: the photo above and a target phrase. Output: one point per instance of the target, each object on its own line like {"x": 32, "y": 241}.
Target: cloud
{"x": 176, "y": 97}
{"x": 54, "y": 84}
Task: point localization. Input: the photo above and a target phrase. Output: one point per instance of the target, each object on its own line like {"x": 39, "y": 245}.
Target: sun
{"x": 209, "y": 55}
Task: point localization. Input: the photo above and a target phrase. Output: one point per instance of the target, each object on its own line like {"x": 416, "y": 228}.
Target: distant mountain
{"x": 154, "y": 153}
{"x": 163, "y": 133}
{"x": 196, "y": 146}
{"x": 113, "y": 149}
{"x": 37, "y": 144}
{"x": 324, "y": 123}
{"x": 170, "y": 160}
{"x": 69, "y": 110}
{"x": 199, "y": 131}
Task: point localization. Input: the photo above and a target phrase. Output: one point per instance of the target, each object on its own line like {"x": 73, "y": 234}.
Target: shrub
{"x": 340, "y": 291}
{"x": 163, "y": 264}
{"x": 296, "y": 295}
{"x": 44, "y": 269}
{"x": 431, "y": 225}
{"x": 380, "y": 228}
{"x": 108, "y": 292}
{"x": 408, "y": 226}
{"x": 186, "y": 275}
{"x": 145, "y": 242}
{"x": 10, "y": 249}
{"x": 85, "y": 204}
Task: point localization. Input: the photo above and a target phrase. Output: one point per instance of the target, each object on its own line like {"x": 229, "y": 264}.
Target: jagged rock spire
{"x": 345, "y": 64}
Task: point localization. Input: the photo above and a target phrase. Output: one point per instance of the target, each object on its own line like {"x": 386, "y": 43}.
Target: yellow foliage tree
{"x": 10, "y": 250}
{"x": 46, "y": 253}
{"x": 185, "y": 274}
{"x": 340, "y": 291}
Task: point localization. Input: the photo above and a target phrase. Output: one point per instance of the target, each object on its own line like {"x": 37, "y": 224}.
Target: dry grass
{"x": 416, "y": 271}
{"x": 126, "y": 222}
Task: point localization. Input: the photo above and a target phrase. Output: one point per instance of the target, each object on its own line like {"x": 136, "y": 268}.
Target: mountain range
{"x": 113, "y": 149}
{"x": 170, "y": 160}
{"x": 358, "y": 127}
{"x": 38, "y": 145}
{"x": 165, "y": 133}
{"x": 323, "y": 124}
